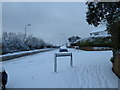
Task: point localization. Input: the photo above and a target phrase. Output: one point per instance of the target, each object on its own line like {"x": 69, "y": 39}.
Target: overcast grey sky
{"x": 53, "y": 22}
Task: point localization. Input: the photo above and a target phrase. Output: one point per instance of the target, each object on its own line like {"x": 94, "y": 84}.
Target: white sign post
{"x": 62, "y": 55}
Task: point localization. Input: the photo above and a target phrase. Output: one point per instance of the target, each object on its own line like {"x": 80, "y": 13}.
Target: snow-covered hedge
{"x": 22, "y": 53}
{"x": 12, "y": 42}
{"x": 95, "y": 42}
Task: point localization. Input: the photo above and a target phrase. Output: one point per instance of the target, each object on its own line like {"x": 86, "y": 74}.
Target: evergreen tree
{"x": 107, "y": 13}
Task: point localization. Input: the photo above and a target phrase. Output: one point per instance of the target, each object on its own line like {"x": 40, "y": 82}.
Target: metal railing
{"x": 62, "y": 55}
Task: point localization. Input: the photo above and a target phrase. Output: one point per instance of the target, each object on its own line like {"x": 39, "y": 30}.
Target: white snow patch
{"x": 90, "y": 70}
{"x": 102, "y": 48}
{"x": 22, "y": 52}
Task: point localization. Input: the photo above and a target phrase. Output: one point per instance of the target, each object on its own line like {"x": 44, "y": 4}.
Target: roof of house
{"x": 103, "y": 35}
{"x": 102, "y": 29}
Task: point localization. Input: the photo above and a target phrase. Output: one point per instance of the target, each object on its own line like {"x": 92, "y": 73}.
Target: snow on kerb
{"x": 22, "y": 52}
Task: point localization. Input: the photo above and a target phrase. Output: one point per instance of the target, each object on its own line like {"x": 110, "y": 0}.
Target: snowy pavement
{"x": 90, "y": 70}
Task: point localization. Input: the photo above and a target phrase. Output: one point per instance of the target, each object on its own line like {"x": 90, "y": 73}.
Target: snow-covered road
{"x": 91, "y": 70}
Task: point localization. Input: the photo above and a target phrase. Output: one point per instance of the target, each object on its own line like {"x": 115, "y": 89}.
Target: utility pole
{"x": 26, "y": 29}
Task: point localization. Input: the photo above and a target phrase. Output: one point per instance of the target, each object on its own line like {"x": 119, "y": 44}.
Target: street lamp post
{"x": 26, "y": 29}
{"x": 63, "y": 35}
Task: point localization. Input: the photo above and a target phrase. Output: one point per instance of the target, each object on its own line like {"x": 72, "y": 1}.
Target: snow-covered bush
{"x": 73, "y": 39}
{"x": 85, "y": 42}
{"x": 34, "y": 43}
{"x": 12, "y": 42}
{"x": 48, "y": 45}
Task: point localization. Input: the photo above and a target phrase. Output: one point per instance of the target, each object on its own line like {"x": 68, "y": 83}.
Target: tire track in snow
{"x": 103, "y": 78}
{"x": 98, "y": 82}
{"x": 85, "y": 78}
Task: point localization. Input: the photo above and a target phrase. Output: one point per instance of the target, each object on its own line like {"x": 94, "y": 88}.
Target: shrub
{"x": 12, "y": 42}
{"x": 95, "y": 42}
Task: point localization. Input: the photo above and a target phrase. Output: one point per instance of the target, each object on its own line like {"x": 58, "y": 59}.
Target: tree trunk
{"x": 116, "y": 63}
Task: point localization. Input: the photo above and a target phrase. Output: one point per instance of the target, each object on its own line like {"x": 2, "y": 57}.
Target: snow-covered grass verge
{"x": 95, "y": 48}
{"x": 23, "y": 53}
{"x": 102, "y": 48}
{"x": 91, "y": 69}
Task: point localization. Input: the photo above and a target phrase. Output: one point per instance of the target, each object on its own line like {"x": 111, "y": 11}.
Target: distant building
{"x": 100, "y": 34}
